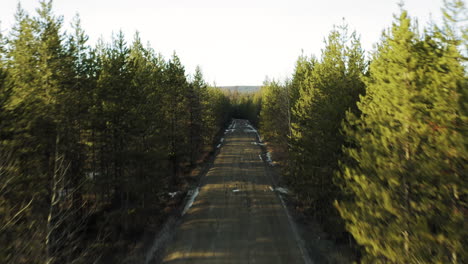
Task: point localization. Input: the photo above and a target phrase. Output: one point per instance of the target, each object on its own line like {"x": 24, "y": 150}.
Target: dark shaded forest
{"x": 92, "y": 140}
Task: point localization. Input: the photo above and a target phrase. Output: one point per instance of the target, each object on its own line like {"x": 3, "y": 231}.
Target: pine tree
{"x": 405, "y": 153}
{"x": 4, "y": 92}
{"x": 301, "y": 87}
{"x": 56, "y": 85}
{"x": 113, "y": 105}
{"x": 147, "y": 146}
{"x": 216, "y": 113}
{"x": 327, "y": 90}
{"x": 304, "y": 66}
{"x": 196, "y": 95}
{"x": 37, "y": 84}
{"x": 274, "y": 113}
{"x": 176, "y": 91}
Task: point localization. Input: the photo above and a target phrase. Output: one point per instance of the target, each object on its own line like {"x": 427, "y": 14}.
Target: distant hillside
{"x": 242, "y": 89}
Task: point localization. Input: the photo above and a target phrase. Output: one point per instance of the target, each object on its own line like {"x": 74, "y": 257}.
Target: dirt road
{"x": 236, "y": 217}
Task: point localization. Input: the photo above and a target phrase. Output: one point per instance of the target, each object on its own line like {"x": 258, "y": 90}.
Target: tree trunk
{"x": 51, "y": 237}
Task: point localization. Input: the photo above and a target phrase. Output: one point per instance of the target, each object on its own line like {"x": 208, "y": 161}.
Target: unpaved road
{"x": 236, "y": 217}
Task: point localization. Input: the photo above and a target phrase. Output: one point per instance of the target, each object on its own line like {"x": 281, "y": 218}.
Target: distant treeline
{"x": 376, "y": 150}
{"x": 241, "y": 89}
{"x": 92, "y": 139}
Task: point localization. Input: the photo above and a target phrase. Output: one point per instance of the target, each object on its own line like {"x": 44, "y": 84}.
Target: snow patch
{"x": 269, "y": 160}
{"x": 222, "y": 140}
{"x": 251, "y": 129}
{"x": 235, "y": 190}
{"x": 258, "y": 144}
{"x": 92, "y": 175}
{"x": 173, "y": 194}
{"x": 260, "y": 156}
{"x": 282, "y": 190}
{"x": 232, "y": 125}
{"x": 193, "y": 194}
{"x": 219, "y": 145}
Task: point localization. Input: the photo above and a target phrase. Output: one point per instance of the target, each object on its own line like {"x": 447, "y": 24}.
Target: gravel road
{"x": 236, "y": 217}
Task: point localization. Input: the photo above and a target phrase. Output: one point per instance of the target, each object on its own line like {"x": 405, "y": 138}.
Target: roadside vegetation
{"x": 92, "y": 140}
{"x": 375, "y": 148}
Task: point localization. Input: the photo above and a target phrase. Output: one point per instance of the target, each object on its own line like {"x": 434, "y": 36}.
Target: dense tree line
{"x": 404, "y": 164}
{"x": 377, "y": 150}
{"x": 91, "y": 138}
{"x": 245, "y": 105}
{"x": 304, "y": 117}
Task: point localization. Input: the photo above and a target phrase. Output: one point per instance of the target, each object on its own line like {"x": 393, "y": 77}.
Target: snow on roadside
{"x": 173, "y": 194}
{"x": 258, "y": 144}
{"x": 269, "y": 160}
{"x": 219, "y": 145}
{"x": 193, "y": 194}
{"x": 281, "y": 190}
{"x": 231, "y": 127}
{"x": 251, "y": 129}
{"x": 260, "y": 156}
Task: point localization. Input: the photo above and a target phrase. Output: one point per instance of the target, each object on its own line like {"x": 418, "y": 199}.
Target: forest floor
{"x": 236, "y": 215}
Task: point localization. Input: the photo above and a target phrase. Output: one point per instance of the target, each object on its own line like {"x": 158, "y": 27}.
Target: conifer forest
{"x": 100, "y": 144}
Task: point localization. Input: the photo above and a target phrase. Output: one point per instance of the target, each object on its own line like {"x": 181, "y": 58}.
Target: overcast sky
{"x": 236, "y": 42}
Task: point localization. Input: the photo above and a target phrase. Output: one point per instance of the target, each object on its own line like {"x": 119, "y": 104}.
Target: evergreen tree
{"x": 328, "y": 88}
{"x": 4, "y": 93}
{"x": 406, "y": 154}
{"x": 216, "y": 113}
{"x": 114, "y": 103}
{"x": 304, "y": 66}
{"x": 274, "y": 114}
{"x": 176, "y": 107}
{"x": 196, "y": 95}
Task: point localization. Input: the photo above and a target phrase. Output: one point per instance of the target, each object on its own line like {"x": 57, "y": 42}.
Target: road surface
{"x": 236, "y": 217}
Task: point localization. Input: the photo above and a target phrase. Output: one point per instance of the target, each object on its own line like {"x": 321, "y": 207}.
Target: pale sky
{"x": 236, "y": 42}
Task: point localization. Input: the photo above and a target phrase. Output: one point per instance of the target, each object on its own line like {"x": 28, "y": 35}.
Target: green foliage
{"x": 404, "y": 164}
{"x": 93, "y": 138}
{"x": 275, "y": 112}
{"x": 245, "y": 106}
{"x": 196, "y": 92}
{"x": 304, "y": 66}
{"x": 217, "y": 111}
{"x": 327, "y": 89}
